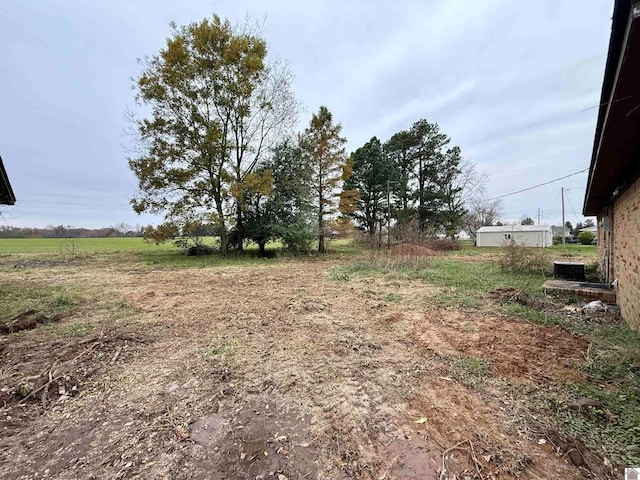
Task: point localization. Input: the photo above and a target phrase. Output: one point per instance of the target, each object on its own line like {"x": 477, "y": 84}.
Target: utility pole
{"x": 388, "y": 216}
{"x": 538, "y": 215}
{"x": 564, "y": 240}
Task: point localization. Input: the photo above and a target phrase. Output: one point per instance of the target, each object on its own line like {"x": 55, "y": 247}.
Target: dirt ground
{"x": 275, "y": 372}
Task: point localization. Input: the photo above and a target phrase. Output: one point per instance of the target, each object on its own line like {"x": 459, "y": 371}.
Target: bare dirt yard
{"x": 275, "y": 371}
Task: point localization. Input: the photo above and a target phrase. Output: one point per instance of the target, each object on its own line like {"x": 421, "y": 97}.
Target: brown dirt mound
{"x": 577, "y": 454}
{"x": 547, "y": 353}
{"x": 407, "y": 249}
{"x": 26, "y": 321}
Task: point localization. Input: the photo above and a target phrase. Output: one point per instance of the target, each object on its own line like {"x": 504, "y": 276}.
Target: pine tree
{"x": 372, "y": 172}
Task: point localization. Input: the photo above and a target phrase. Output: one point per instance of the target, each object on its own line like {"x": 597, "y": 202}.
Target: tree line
{"x": 62, "y": 231}
{"x": 216, "y": 152}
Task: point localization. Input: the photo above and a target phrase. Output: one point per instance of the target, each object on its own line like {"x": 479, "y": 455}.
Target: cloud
{"x": 508, "y": 81}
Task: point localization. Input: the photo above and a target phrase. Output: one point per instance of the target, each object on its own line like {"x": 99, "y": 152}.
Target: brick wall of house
{"x": 626, "y": 253}
{"x": 605, "y": 242}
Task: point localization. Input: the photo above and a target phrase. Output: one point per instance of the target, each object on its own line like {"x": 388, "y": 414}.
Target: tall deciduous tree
{"x": 481, "y": 211}
{"x": 323, "y": 144}
{"x": 215, "y": 106}
{"x": 364, "y": 194}
{"x": 272, "y": 114}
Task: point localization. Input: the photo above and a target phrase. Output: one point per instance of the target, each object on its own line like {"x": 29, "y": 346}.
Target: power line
{"x": 553, "y": 205}
{"x": 539, "y": 185}
{"x": 572, "y": 209}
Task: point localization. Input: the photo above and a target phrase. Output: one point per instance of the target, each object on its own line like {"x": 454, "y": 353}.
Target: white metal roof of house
{"x": 514, "y": 228}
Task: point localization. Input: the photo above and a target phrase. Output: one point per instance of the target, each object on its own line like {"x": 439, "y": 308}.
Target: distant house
{"x": 593, "y": 229}
{"x": 613, "y": 187}
{"x": 6, "y": 192}
{"x": 526, "y": 235}
{"x": 461, "y": 235}
{"x": 561, "y": 231}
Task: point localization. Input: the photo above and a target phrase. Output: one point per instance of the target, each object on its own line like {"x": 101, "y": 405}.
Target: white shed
{"x": 527, "y": 235}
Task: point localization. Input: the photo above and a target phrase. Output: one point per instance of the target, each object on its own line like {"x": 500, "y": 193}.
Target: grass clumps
{"x": 75, "y": 330}
{"x": 46, "y": 299}
{"x": 469, "y": 371}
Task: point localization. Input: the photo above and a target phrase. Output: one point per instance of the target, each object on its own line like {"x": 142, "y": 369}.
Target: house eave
{"x": 6, "y": 192}
{"x": 615, "y": 161}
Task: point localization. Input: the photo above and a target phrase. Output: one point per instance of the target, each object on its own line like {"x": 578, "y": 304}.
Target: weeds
{"x": 221, "y": 348}
{"x": 609, "y": 423}
{"x": 532, "y": 315}
{"x": 48, "y": 300}
{"x": 442, "y": 244}
{"x": 69, "y": 248}
{"x": 340, "y": 274}
{"x": 611, "y": 426}
{"x": 521, "y": 259}
{"x": 75, "y": 330}
{"x": 469, "y": 371}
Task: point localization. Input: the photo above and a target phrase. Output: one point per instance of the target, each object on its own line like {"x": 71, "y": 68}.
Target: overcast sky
{"x": 514, "y": 84}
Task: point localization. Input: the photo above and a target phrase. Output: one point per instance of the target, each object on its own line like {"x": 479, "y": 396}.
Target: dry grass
{"x": 304, "y": 376}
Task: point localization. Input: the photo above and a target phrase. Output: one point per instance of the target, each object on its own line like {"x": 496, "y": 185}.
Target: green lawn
{"x": 85, "y": 245}
{"x": 164, "y": 254}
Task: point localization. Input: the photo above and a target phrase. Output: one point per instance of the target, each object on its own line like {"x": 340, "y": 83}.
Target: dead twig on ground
{"x": 443, "y": 470}
{"x": 45, "y": 392}
{"x": 39, "y": 389}
{"x": 582, "y": 456}
{"x": 476, "y": 462}
{"x": 115, "y": 356}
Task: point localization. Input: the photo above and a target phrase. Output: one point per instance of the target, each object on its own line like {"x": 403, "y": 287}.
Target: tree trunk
{"x": 261, "y": 245}
{"x": 239, "y": 230}
{"x": 321, "y": 248}
{"x": 372, "y": 239}
{"x": 421, "y": 207}
{"x": 224, "y": 247}
{"x": 223, "y": 240}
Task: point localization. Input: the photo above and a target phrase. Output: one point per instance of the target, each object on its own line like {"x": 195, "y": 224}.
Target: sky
{"x": 514, "y": 84}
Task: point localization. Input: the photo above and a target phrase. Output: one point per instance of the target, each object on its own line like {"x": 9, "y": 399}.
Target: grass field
{"x": 54, "y": 246}
{"x": 134, "y": 360}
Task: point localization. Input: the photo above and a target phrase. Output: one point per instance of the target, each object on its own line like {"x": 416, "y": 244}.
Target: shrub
{"x": 442, "y": 244}
{"x": 193, "y": 246}
{"x": 586, "y": 237}
{"x": 197, "y": 250}
{"x": 297, "y": 237}
{"x": 557, "y": 239}
{"x": 521, "y": 259}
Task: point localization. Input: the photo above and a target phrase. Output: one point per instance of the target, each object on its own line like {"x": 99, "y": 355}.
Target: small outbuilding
{"x": 526, "y": 235}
